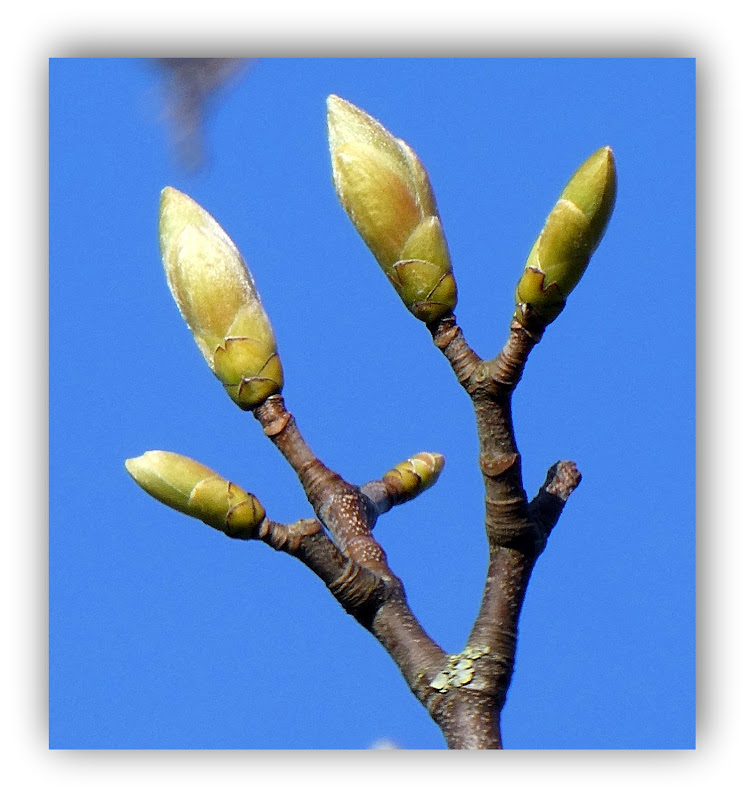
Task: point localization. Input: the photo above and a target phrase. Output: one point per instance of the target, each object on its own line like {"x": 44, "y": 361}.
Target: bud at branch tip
{"x": 385, "y": 191}
{"x": 219, "y": 301}
{"x": 572, "y": 232}
{"x": 193, "y": 489}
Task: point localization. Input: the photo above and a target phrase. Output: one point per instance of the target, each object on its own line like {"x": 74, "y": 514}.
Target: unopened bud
{"x": 412, "y": 477}
{"x": 386, "y": 193}
{"x": 571, "y": 234}
{"x": 219, "y": 301}
{"x": 193, "y": 489}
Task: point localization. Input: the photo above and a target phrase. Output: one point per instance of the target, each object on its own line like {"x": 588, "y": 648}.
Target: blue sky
{"x": 164, "y": 633}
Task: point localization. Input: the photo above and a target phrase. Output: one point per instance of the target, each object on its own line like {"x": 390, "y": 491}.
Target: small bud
{"x": 218, "y": 300}
{"x": 412, "y": 477}
{"x": 572, "y": 232}
{"x": 193, "y": 489}
{"x": 386, "y": 193}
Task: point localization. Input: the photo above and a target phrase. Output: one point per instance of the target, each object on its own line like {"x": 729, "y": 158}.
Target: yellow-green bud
{"x": 412, "y": 477}
{"x": 219, "y": 301}
{"x": 568, "y": 240}
{"x": 191, "y": 488}
{"x": 386, "y": 193}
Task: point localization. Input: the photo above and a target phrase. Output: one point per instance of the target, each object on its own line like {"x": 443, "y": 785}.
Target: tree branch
{"x": 386, "y": 192}
{"x": 545, "y": 509}
{"x": 465, "y": 692}
{"x": 351, "y": 563}
{"x": 516, "y": 529}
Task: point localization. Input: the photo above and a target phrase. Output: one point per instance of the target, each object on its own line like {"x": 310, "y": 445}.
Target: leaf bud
{"x": 412, "y": 477}
{"x": 193, "y": 489}
{"x": 572, "y": 232}
{"x": 219, "y": 301}
{"x": 387, "y": 195}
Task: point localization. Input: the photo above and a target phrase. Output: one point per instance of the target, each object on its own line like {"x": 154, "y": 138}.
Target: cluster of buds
{"x": 386, "y": 192}
{"x": 193, "y": 489}
{"x": 563, "y": 249}
{"x": 387, "y": 195}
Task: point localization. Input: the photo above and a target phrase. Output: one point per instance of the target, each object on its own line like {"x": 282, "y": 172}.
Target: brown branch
{"x": 545, "y": 509}
{"x": 464, "y": 693}
{"x": 448, "y": 336}
{"x": 351, "y": 563}
{"x": 340, "y": 506}
{"x": 516, "y": 530}
{"x": 468, "y": 717}
{"x": 359, "y": 591}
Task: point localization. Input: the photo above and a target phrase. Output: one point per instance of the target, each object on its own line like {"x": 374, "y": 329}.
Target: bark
{"x": 465, "y": 692}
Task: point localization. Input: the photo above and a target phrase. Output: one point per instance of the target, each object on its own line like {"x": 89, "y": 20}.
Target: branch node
{"x": 444, "y": 335}
{"x": 448, "y": 337}
{"x": 493, "y": 466}
{"x": 356, "y": 587}
{"x": 277, "y": 425}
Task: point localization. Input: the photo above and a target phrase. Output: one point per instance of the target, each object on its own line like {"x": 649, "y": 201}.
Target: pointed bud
{"x": 412, "y": 477}
{"x": 193, "y": 489}
{"x": 218, "y": 300}
{"x": 571, "y": 234}
{"x": 386, "y": 193}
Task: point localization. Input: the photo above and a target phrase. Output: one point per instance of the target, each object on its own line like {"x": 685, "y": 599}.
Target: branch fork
{"x": 463, "y": 692}
{"x": 385, "y": 190}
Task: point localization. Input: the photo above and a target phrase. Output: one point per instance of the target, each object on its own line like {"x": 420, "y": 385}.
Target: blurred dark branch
{"x": 192, "y": 87}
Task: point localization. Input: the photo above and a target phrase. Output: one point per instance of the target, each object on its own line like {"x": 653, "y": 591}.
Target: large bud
{"x": 386, "y": 193}
{"x": 571, "y": 234}
{"x": 193, "y": 489}
{"x": 217, "y": 297}
{"x": 412, "y": 477}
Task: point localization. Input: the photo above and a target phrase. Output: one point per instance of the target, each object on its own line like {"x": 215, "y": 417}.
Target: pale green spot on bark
{"x": 459, "y": 669}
